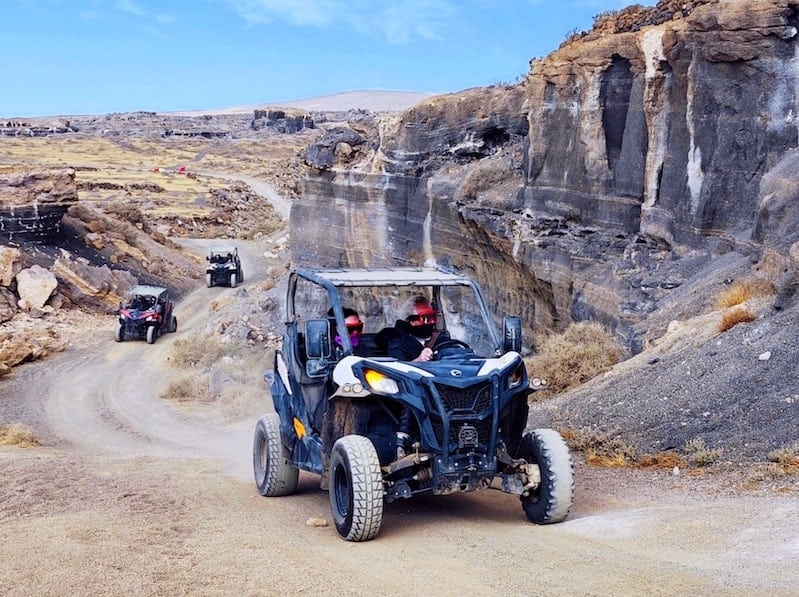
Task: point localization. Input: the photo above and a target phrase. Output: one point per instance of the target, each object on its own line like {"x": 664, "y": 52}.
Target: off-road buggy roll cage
{"x": 145, "y": 312}
{"x": 422, "y": 278}
{"x": 224, "y": 267}
{"x": 379, "y": 429}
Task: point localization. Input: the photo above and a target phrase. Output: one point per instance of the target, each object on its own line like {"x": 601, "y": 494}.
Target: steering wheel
{"x": 449, "y": 345}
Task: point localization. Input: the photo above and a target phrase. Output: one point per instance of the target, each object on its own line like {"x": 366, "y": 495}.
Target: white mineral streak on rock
{"x": 656, "y": 100}
{"x": 427, "y": 238}
{"x": 695, "y": 175}
{"x": 590, "y": 126}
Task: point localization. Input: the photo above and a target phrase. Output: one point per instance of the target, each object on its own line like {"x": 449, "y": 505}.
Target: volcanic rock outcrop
{"x": 626, "y": 164}
{"x": 32, "y": 203}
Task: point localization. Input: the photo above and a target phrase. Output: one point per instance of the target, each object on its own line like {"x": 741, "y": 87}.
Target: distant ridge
{"x": 371, "y": 100}
{"x": 375, "y": 101}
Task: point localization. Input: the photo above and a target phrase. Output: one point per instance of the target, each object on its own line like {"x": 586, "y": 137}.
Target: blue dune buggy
{"x": 377, "y": 429}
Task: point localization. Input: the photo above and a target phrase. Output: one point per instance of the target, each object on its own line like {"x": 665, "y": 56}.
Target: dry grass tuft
{"x": 196, "y": 351}
{"x": 662, "y": 460}
{"x": 17, "y": 435}
{"x": 740, "y": 292}
{"x": 786, "y": 457}
{"x": 192, "y": 388}
{"x": 735, "y": 316}
{"x": 582, "y": 352}
{"x": 601, "y": 448}
{"x": 699, "y": 454}
{"x": 764, "y": 474}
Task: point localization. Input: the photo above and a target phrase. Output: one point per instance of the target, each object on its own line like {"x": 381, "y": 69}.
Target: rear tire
{"x": 151, "y": 334}
{"x": 232, "y": 280}
{"x": 119, "y": 334}
{"x": 550, "y": 502}
{"x": 274, "y": 474}
{"x": 356, "y": 488}
{"x": 173, "y": 324}
{"x": 208, "y": 281}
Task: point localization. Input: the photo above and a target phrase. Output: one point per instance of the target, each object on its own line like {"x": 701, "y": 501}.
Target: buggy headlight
{"x": 352, "y": 388}
{"x": 380, "y": 383}
{"x": 516, "y": 376}
{"x": 539, "y": 383}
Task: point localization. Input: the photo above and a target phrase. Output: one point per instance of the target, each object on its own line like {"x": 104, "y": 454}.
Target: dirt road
{"x": 133, "y": 495}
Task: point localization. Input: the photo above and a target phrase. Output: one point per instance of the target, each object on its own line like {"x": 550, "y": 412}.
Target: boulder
{"x": 35, "y": 285}
{"x": 91, "y": 286}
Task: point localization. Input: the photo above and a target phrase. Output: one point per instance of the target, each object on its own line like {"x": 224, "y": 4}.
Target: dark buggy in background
{"x": 224, "y": 267}
{"x": 377, "y": 429}
{"x": 146, "y": 312}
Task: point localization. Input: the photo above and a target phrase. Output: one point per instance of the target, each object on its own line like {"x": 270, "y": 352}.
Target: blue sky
{"x": 65, "y": 57}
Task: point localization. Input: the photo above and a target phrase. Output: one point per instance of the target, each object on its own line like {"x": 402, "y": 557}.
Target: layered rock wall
{"x": 629, "y": 159}
{"x": 33, "y": 203}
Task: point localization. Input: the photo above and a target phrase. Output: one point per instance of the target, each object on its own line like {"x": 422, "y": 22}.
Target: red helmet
{"x": 354, "y": 324}
{"x": 422, "y": 313}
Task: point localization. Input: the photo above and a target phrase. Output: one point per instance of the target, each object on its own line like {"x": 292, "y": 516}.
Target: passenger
{"x": 354, "y": 328}
{"x": 415, "y": 337}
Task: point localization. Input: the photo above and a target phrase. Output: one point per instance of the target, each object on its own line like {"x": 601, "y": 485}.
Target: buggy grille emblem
{"x": 455, "y": 372}
{"x": 467, "y": 436}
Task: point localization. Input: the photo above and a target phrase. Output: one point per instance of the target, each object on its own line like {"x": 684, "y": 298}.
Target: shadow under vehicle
{"x": 224, "y": 267}
{"x": 377, "y": 429}
{"x": 145, "y": 313}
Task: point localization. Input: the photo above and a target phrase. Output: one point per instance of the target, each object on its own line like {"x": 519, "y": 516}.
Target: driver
{"x": 415, "y": 337}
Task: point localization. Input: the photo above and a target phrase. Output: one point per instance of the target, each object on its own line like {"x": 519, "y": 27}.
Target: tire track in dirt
{"x": 112, "y": 403}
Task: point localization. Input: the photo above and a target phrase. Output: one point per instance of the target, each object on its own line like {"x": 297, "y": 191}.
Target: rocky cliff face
{"x": 32, "y": 203}
{"x": 629, "y": 160}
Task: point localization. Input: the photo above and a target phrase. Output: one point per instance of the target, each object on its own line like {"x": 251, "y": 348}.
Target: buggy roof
{"x": 215, "y": 250}
{"x": 395, "y": 276}
{"x": 146, "y": 290}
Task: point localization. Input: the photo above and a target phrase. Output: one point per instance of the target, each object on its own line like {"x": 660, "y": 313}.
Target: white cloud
{"x": 296, "y": 12}
{"x": 134, "y": 8}
{"x": 131, "y": 7}
{"x": 399, "y": 21}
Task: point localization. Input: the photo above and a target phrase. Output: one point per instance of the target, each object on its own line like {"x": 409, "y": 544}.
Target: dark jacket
{"x": 403, "y": 345}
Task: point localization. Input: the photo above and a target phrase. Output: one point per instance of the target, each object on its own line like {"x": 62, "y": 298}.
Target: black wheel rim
{"x": 341, "y": 488}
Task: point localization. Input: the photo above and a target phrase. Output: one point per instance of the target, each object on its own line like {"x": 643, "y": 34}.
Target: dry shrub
{"x": 740, "y": 292}
{"x": 661, "y": 460}
{"x": 192, "y": 388}
{"x": 601, "y": 448}
{"x": 765, "y": 473}
{"x": 786, "y": 457}
{"x": 699, "y": 454}
{"x": 17, "y": 435}
{"x": 735, "y": 316}
{"x": 582, "y": 352}
{"x": 197, "y": 350}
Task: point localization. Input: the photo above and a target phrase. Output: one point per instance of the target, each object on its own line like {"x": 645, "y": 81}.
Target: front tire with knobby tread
{"x": 274, "y": 474}
{"x": 356, "y": 488}
{"x": 151, "y": 334}
{"x": 550, "y": 502}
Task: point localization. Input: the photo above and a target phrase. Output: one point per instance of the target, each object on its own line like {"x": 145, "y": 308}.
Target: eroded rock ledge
{"x": 628, "y": 164}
